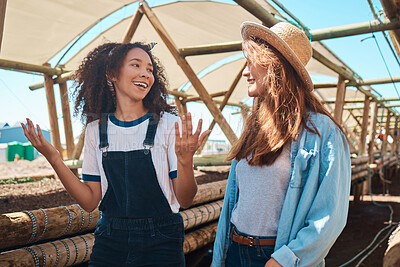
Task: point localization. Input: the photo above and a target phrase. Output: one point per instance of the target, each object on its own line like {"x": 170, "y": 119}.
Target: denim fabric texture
{"x": 139, "y": 242}
{"x": 315, "y": 209}
{"x": 244, "y": 256}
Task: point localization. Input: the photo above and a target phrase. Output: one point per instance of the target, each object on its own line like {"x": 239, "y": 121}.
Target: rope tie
{"x": 87, "y": 248}
{"x": 34, "y": 225}
{"x": 58, "y": 253}
{"x": 67, "y": 249}
{"x": 43, "y": 254}
{"x": 34, "y": 255}
{"x": 83, "y": 217}
{"x": 76, "y": 250}
{"x": 70, "y": 220}
{"x": 45, "y": 224}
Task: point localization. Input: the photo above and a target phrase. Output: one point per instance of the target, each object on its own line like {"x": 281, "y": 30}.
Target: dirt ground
{"x": 365, "y": 219}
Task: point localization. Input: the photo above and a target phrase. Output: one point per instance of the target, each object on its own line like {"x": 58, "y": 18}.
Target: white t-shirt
{"x": 128, "y": 136}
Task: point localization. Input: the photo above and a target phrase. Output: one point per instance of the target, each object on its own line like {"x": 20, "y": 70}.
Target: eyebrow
{"x": 138, "y": 59}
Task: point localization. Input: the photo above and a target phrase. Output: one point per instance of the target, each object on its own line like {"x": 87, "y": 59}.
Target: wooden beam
{"x": 360, "y": 100}
{"x": 3, "y": 5}
{"x": 364, "y": 126}
{"x": 360, "y": 83}
{"x": 391, "y": 9}
{"x": 211, "y": 49}
{"x": 51, "y": 106}
{"x": 340, "y": 94}
{"x": 223, "y": 104}
{"x": 395, "y": 149}
{"x": 199, "y": 98}
{"x": 372, "y": 130}
{"x": 59, "y": 79}
{"x": 180, "y": 106}
{"x": 329, "y": 64}
{"x": 69, "y": 136}
{"x": 258, "y": 11}
{"x": 187, "y": 69}
{"x": 133, "y": 26}
{"x": 355, "y": 29}
{"x": 20, "y": 66}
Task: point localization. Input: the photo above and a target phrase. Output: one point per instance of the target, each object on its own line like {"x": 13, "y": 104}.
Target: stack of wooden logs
{"x": 71, "y": 227}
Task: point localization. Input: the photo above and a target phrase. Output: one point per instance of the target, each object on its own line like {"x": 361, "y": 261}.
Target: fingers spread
{"x": 189, "y": 123}
{"x": 184, "y": 128}
{"x": 198, "y": 130}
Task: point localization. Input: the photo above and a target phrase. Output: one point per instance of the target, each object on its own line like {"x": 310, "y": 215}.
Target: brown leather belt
{"x": 251, "y": 241}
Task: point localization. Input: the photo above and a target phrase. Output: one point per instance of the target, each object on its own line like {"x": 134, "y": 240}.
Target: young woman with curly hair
{"x": 287, "y": 195}
{"x": 135, "y": 163}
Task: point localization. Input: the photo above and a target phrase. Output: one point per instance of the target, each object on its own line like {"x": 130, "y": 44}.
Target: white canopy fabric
{"x": 35, "y": 31}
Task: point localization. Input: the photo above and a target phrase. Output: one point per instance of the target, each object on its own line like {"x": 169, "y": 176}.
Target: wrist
{"x": 185, "y": 161}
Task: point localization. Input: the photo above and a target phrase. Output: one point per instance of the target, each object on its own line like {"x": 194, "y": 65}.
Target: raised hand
{"x": 186, "y": 146}
{"x": 39, "y": 142}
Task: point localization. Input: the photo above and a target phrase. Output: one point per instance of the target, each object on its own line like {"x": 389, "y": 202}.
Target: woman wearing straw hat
{"x": 288, "y": 189}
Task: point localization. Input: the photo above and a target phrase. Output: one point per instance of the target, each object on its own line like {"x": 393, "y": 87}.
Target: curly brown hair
{"x": 93, "y": 96}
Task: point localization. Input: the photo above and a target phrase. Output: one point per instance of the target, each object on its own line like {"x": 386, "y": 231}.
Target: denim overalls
{"x": 137, "y": 227}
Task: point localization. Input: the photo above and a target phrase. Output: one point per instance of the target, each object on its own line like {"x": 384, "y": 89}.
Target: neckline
{"x": 138, "y": 121}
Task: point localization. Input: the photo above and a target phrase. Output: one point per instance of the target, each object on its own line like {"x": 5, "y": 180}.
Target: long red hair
{"x": 279, "y": 112}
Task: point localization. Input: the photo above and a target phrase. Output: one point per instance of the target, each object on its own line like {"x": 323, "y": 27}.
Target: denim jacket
{"x": 315, "y": 208}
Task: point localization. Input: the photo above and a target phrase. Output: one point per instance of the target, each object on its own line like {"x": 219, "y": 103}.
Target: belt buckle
{"x": 252, "y": 241}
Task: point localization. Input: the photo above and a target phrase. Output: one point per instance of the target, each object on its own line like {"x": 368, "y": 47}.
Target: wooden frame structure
{"x": 346, "y": 78}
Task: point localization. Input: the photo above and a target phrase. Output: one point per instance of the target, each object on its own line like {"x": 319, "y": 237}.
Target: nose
{"x": 246, "y": 71}
{"x": 144, "y": 73}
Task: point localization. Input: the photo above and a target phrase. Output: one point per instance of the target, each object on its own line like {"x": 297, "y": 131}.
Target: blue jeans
{"x": 139, "y": 242}
{"x": 247, "y": 256}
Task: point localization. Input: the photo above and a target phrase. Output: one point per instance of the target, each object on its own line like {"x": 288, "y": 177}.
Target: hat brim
{"x": 249, "y": 29}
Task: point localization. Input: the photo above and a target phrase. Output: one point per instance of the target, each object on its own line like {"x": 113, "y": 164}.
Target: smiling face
{"x": 255, "y": 75}
{"x": 135, "y": 77}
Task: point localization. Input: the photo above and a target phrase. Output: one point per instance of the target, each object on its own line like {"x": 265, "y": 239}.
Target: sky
{"x": 361, "y": 53}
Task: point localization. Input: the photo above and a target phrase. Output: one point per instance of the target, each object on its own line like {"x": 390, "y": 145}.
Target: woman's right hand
{"x": 40, "y": 143}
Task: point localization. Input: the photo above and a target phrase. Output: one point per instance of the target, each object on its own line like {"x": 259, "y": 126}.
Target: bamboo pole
{"x": 133, "y": 26}
{"x": 197, "y": 84}
{"x": 51, "y": 106}
{"x": 395, "y": 136}
{"x": 223, "y": 104}
{"x": 360, "y": 83}
{"x": 258, "y": 11}
{"x": 340, "y": 95}
{"x": 362, "y": 100}
{"x": 371, "y": 141}
{"x": 21, "y": 66}
{"x": 364, "y": 126}
{"x": 69, "y": 136}
{"x": 20, "y": 228}
{"x": 3, "y": 5}
{"x": 199, "y": 238}
{"x": 65, "y": 252}
{"x": 211, "y": 49}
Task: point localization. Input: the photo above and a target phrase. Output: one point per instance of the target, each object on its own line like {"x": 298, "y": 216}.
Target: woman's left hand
{"x": 272, "y": 263}
{"x": 186, "y": 146}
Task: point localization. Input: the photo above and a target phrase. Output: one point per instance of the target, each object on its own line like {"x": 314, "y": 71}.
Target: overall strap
{"x": 151, "y": 133}
{"x": 103, "y": 131}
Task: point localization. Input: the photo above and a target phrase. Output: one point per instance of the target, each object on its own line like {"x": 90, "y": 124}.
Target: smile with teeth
{"x": 144, "y": 85}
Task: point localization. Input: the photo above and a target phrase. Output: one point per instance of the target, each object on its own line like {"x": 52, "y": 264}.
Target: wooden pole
{"x": 201, "y": 90}
{"x": 179, "y": 106}
{"x": 199, "y": 238}
{"x": 387, "y": 131}
{"x": 51, "y": 106}
{"x": 20, "y": 66}
{"x": 391, "y": 257}
{"x": 66, "y": 252}
{"x": 258, "y": 11}
{"x": 69, "y": 136}
{"x": 360, "y": 83}
{"x": 340, "y": 95}
{"x": 372, "y": 129}
{"x": 18, "y": 229}
{"x": 59, "y": 79}
{"x": 202, "y": 214}
{"x": 133, "y": 26}
{"x": 192, "y": 99}
{"x": 364, "y": 127}
{"x": 79, "y": 146}
{"x": 223, "y": 104}
{"x": 3, "y": 5}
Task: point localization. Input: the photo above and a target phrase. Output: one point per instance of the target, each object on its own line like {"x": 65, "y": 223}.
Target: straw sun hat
{"x": 289, "y": 40}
